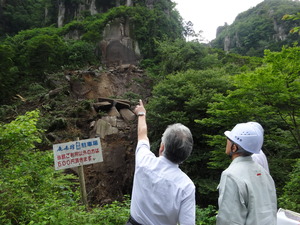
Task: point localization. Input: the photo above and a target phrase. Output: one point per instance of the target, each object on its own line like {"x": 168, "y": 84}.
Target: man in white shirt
{"x": 260, "y": 157}
{"x": 162, "y": 194}
{"x": 247, "y": 193}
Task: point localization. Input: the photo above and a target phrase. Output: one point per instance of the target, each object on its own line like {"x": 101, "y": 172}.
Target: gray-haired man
{"x": 162, "y": 193}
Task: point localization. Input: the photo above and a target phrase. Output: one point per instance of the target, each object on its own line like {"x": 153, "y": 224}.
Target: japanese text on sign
{"x": 76, "y": 153}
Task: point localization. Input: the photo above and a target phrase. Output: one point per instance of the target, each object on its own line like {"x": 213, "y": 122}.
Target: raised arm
{"x": 140, "y": 111}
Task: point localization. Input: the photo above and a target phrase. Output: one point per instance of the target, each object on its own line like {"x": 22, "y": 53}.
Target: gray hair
{"x": 178, "y": 142}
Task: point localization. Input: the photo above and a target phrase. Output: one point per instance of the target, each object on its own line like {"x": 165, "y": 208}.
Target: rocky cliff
{"x": 99, "y": 103}
{"x": 259, "y": 28}
{"x": 69, "y": 10}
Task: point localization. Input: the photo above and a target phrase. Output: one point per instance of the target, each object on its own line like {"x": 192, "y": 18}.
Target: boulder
{"x": 127, "y": 115}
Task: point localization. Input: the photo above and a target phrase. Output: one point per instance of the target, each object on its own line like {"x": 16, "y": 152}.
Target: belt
{"x": 133, "y": 221}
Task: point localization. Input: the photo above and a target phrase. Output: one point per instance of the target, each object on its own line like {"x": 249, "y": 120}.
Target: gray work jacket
{"x": 247, "y": 195}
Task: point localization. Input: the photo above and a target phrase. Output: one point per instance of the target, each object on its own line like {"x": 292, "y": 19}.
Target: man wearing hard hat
{"x": 247, "y": 193}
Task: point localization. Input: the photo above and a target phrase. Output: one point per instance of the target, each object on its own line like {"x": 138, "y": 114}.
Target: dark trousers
{"x": 132, "y": 221}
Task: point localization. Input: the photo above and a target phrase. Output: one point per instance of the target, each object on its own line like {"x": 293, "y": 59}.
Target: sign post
{"x": 82, "y": 185}
{"x": 76, "y": 154}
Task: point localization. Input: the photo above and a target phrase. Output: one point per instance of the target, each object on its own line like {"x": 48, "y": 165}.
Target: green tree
{"x": 181, "y": 56}
{"x": 44, "y": 53}
{"x": 19, "y": 134}
{"x": 269, "y": 95}
{"x": 7, "y": 72}
{"x": 259, "y": 28}
{"x": 29, "y": 185}
{"x": 25, "y": 14}
{"x": 37, "y": 51}
{"x": 182, "y": 98}
{"x": 291, "y": 195}
{"x": 79, "y": 54}
{"x": 293, "y": 17}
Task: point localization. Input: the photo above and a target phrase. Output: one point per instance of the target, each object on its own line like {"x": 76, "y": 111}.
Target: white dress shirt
{"x": 247, "y": 195}
{"x": 162, "y": 194}
{"x": 261, "y": 159}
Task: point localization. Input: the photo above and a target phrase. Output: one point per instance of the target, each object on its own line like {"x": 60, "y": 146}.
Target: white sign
{"x": 76, "y": 153}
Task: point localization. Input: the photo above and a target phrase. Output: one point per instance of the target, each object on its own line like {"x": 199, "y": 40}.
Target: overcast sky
{"x": 208, "y": 15}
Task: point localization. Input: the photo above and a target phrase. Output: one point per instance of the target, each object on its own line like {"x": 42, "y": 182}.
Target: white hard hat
{"x": 258, "y": 126}
{"x": 246, "y": 136}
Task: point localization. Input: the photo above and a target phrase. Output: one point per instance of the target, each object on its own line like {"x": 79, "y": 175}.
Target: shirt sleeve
{"x": 142, "y": 151}
{"x": 187, "y": 214}
{"x": 232, "y": 202}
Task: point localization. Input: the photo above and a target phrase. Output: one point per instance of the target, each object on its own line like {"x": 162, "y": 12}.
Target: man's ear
{"x": 161, "y": 149}
{"x": 234, "y": 148}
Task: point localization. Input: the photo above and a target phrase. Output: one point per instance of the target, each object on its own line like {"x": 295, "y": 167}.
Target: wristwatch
{"x": 141, "y": 114}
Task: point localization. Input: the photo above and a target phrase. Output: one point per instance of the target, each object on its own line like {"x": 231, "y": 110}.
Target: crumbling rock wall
{"x": 112, "y": 119}
{"x": 70, "y": 10}
{"x": 117, "y": 45}
{"x": 115, "y": 81}
{"x": 111, "y": 179}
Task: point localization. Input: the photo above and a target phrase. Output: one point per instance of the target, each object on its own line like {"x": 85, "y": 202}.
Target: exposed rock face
{"x": 116, "y": 81}
{"x": 150, "y": 3}
{"x": 109, "y": 180}
{"x": 129, "y": 3}
{"x": 258, "y": 28}
{"x": 61, "y": 14}
{"x": 281, "y": 32}
{"x": 232, "y": 41}
{"x": 114, "y": 122}
{"x": 226, "y": 44}
{"x": 117, "y": 46}
{"x": 93, "y": 8}
{"x": 68, "y": 10}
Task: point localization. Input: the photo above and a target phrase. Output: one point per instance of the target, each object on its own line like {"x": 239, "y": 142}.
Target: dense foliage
{"x": 293, "y": 17}
{"x": 217, "y": 101}
{"x": 206, "y": 89}
{"x": 32, "y": 53}
{"x": 290, "y": 198}
{"x": 259, "y": 28}
{"x": 17, "y": 15}
{"x": 32, "y": 192}
{"x": 268, "y": 95}
{"x": 184, "y": 95}
{"x": 29, "y": 185}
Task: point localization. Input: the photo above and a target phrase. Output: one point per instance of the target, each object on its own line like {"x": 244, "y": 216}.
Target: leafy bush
{"x": 291, "y": 192}
{"x": 116, "y": 213}
{"x": 29, "y": 183}
{"x": 182, "y": 98}
{"x": 80, "y": 53}
{"x": 180, "y": 55}
{"x": 206, "y": 216}
{"x": 7, "y": 72}
{"x": 270, "y": 96}
{"x": 32, "y": 192}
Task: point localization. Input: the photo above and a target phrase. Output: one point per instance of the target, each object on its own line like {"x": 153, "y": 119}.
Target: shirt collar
{"x": 165, "y": 160}
{"x": 242, "y": 159}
